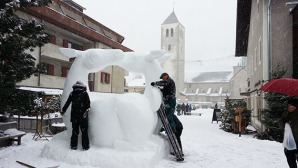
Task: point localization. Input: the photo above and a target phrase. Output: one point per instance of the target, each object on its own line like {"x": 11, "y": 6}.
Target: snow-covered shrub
{"x": 228, "y": 115}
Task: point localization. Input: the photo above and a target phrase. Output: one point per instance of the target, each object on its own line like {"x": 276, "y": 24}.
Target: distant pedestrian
{"x": 216, "y": 107}
{"x": 183, "y": 108}
{"x": 80, "y": 105}
{"x": 291, "y": 133}
{"x": 186, "y": 109}
{"x": 178, "y": 109}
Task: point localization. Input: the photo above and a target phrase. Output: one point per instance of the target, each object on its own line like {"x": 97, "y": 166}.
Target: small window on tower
{"x": 169, "y": 47}
{"x": 172, "y": 32}
{"x": 167, "y": 33}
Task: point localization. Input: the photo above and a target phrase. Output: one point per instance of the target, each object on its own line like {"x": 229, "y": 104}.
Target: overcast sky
{"x": 210, "y": 25}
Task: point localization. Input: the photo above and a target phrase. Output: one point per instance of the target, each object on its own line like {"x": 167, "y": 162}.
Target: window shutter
{"x": 91, "y": 85}
{"x": 64, "y": 72}
{"x": 101, "y": 77}
{"x": 51, "y": 70}
{"x": 53, "y": 39}
{"x": 65, "y": 43}
{"x": 109, "y": 78}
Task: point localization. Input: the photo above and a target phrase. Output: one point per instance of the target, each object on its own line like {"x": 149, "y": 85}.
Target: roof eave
{"x": 242, "y": 27}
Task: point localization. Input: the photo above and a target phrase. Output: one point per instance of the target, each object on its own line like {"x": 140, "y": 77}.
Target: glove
{"x": 62, "y": 113}
{"x": 153, "y": 84}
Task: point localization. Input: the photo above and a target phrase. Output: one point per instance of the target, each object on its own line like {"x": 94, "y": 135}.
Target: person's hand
{"x": 62, "y": 113}
{"x": 153, "y": 83}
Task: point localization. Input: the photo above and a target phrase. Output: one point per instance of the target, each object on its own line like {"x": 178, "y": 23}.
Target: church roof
{"x": 171, "y": 19}
{"x": 223, "y": 76}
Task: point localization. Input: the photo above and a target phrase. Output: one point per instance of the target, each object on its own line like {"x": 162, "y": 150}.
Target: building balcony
{"x": 49, "y": 81}
{"x": 52, "y": 51}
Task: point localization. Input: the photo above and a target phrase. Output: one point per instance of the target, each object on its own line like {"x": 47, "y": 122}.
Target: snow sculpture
{"x": 117, "y": 120}
{"x": 121, "y": 125}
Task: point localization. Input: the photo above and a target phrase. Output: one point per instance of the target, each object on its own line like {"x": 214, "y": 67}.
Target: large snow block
{"x": 122, "y": 155}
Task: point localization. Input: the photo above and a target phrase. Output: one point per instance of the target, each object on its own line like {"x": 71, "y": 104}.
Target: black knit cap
{"x": 163, "y": 74}
{"x": 293, "y": 102}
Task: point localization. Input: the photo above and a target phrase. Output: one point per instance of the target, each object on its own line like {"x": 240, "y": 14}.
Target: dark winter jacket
{"x": 178, "y": 124}
{"x": 293, "y": 117}
{"x": 80, "y": 102}
{"x": 169, "y": 88}
{"x": 187, "y": 108}
{"x": 183, "y": 107}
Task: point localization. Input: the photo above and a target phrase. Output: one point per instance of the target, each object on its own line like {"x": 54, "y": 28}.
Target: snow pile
{"x": 13, "y": 131}
{"x": 58, "y": 124}
{"x": 121, "y": 126}
{"x": 204, "y": 145}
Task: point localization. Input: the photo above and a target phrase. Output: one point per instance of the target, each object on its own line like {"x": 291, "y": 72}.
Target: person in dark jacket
{"x": 183, "y": 108}
{"x": 178, "y": 109}
{"x": 169, "y": 96}
{"x": 186, "y": 109}
{"x": 291, "y": 116}
{"x": 80, "y": 106}
{"x": 179, "y": 128}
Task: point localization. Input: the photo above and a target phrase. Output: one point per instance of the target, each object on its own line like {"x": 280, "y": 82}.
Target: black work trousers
{"x": 291, "y": 158}
{"x": 178, "y": 135}
{"x": 83, "y": 124}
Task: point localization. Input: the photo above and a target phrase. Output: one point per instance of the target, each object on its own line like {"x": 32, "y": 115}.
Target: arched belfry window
{"x": 167, "y": 33}
{"x": 172, "y": 32}
{"x": 169, "y": 47}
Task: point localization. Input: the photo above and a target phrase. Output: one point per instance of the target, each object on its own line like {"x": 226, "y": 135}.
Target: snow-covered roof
{"x": 222, "y": 64}
{"x": 47, "y": 91}
{"x": 223, "y": 76}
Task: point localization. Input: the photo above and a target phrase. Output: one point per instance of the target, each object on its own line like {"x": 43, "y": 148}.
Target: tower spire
{"x": 173, "y": 6}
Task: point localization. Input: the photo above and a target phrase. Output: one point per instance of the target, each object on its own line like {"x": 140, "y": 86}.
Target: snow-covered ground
{"x": 204, "y": 145}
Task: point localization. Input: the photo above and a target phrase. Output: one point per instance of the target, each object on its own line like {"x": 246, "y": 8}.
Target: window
{"x": 167, "y": 33}
{"x": 169, "y": 47}
{"x": 172, "y": 32}
{"x": 52, "y": 39}
{"x": 68, "y": 44}
{"x": 258, "y": 2}
{"x": 64, "y": 71}
{"x": 105, "y": 78}
{"x": 255, "y": 59}
{"x": 260, "y": 51}
{"x": 49, "y": 69}
{"x": 259, "y": 108}
{"x": 91, "y": 77}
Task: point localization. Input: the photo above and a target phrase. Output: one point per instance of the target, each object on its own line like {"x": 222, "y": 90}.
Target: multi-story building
{"x": 208, "y": 88}
{"x": 238, "y": 84}
{"x": 69, "y": 27}
{"x": 267, "y": 35}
